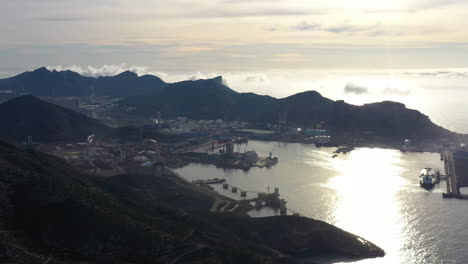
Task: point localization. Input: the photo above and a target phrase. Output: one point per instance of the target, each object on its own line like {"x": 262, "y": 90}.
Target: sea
{"x": 371, "y": 192}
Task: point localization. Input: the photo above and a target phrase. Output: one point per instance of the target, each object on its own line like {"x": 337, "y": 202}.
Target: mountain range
{"x": 42, "y": 82}
{"x": 212, "y": 99}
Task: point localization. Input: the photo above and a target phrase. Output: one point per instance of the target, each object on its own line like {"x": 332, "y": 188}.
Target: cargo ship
{"x": 427, "y": 178}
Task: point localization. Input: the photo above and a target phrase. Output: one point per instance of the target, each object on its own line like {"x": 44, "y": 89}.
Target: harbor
{"x": 227, "y": 154}
{"x": 243, "y": 198}
{"x": 456, "y": 170}
{"x": 325, "y": 188}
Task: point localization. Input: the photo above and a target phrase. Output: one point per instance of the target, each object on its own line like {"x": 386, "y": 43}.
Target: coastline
{"x": 420, "y": 148}
{"x": 315, "y": 239}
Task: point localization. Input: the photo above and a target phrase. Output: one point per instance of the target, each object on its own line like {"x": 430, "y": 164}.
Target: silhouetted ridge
{"x": 127, "y": 74}
{"x": 218, "y": 79}
{"x": 210, "y": 99}
{"x": 29, "y": 116}
{"x": 42, "y": 82}
{"x": 42, "y": 70}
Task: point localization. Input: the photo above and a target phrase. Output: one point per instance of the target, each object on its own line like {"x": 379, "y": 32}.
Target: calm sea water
{"x": 373, "y": 193}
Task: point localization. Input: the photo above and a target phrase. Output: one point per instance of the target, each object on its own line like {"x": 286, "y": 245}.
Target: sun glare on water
{"x": 367, "y": 189}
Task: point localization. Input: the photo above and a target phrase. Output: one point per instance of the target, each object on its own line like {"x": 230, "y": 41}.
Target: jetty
{"x": 456, "y": 171}
{"x": 209, "y": 181}
{"x": 262, "y": 199}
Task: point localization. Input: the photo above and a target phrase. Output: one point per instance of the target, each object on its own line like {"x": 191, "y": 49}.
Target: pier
{"x": 263, "y": 199}
{"x": 456, "y": 171}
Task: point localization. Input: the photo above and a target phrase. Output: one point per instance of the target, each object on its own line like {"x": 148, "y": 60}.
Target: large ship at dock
{"x": 428, "y": 178}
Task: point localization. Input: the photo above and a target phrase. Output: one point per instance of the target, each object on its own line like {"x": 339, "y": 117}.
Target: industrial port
{"x": 456, "y": 170}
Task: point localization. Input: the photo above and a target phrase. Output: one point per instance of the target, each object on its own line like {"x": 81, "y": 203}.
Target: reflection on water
{"x": 373, "y": 193}
{"x": 367, "y": 187}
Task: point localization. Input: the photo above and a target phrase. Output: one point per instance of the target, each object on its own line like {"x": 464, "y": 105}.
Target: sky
{"x": 410, "y": 51}
{"x": 234, "y": 35}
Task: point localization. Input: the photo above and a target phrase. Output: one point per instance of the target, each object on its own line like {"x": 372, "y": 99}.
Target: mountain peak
{"x": 218, "y": 79}
{"x": 127, "y": 74}
{"x": 312, "y": 93}
{"x": 306, "y": 95}
{"x": 44, "y": 82}
{"x": 41, "y": 70}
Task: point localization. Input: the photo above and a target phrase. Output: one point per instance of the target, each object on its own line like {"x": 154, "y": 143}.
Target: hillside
{"x": 202, "y": 99}
{"x": 127, "y": 83}
{"x": 29, "y": 116}
{"x": 42, "y": 82}
{"x": 50, "y": 213}
{"x": 211, "y": 99}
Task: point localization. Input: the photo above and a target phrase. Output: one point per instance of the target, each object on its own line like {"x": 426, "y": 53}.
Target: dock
{"x": 456, "y": 171}
{"x": 262, "y": 199}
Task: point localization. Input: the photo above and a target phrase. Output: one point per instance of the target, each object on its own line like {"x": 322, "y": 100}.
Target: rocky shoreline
{"x": 137, "y": 218}
{"x": 295, "y": 237}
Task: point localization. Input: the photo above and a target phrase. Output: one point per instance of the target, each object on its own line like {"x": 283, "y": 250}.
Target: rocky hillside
{"x": 29, "y": 116}
{"x": 42, "y": 82}
{"x": 51, "y": 213}
{"x": 211, "y": 99}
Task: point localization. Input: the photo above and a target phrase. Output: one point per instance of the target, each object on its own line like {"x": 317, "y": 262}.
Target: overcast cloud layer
{"x": 220, "y": 35}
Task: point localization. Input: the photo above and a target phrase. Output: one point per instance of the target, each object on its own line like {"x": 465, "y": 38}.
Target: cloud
{"x": 61, "y": 18}
{"x": 351, "y": 88}
{"x": 356, "y": 89}
{"x": 255, "y": 79}
{"x": 287, "y": 57}
{"x": 200, "y": 76}
{"x": 115, "y": 69}
{"x": 395, "y": 91}
{"x": 338, "y": 29}
{"x": 180, "y": 51}
{"x": 305, "y": 26}
{"x": 252, "y": 13}
{"x": 107, "y": 70}
{"x": 344, "y": 29}
{"x": 272, "y": 29}
{"x": 421, "y": 5}
{"x": 448, "y": 73}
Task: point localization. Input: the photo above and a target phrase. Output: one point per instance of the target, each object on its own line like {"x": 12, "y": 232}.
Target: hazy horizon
{"x": 137, "y": 170}
{"x": 425, "y": 90}
{"x": 360, "y": 51}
